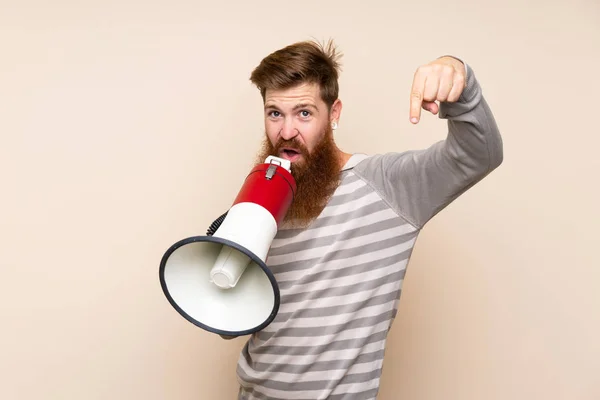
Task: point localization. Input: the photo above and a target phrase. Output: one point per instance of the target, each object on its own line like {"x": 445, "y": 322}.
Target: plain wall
{"x": 126, "y": 126}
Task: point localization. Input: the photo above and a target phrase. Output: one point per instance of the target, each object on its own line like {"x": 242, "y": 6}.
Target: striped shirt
{"x": 341, "y": 277}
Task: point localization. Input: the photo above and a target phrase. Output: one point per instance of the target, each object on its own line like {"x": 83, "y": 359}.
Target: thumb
{"x": 431, "y": 106}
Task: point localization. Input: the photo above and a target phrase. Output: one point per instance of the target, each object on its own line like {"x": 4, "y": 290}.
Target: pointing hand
{"x": 442, "y": 80}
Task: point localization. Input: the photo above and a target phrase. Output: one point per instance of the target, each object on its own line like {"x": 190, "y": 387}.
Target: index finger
{"x": 416, "y": 97}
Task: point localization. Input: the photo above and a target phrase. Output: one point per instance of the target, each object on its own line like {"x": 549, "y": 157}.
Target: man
{"x": 341, "y": 256}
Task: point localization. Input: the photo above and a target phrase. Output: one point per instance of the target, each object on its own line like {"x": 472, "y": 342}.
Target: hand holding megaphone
{"x": 219, "y": 281}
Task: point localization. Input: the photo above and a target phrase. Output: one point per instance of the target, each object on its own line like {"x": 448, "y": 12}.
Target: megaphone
{"x": 220, "y": 281}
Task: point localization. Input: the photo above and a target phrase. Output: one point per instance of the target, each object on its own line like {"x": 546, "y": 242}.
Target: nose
{"x": 288, "y": 130}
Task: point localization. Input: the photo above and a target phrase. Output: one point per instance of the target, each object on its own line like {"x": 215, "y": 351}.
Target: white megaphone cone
{"x": 220, "y": 282}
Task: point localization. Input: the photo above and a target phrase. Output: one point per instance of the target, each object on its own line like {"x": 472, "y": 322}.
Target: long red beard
{"x": 317, "y": 176}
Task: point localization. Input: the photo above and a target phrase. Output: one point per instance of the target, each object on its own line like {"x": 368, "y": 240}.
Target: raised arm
{"x": 419, "y": 184}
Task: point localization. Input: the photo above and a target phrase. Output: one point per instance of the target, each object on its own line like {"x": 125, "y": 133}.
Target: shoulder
{"x": 368, "y": 166}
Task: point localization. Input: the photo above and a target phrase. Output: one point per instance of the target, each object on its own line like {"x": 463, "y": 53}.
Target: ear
{"x": 335, "y": 112}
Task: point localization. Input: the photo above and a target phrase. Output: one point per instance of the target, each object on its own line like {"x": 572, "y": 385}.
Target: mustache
{"x": 291, "y": 144}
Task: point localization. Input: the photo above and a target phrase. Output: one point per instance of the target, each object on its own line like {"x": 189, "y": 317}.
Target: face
{"x": 296, "y": 121}
{"x": 298, "y": 128}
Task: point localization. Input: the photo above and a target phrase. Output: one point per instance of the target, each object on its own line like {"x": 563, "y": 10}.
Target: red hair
{"x": 302, "y": 62}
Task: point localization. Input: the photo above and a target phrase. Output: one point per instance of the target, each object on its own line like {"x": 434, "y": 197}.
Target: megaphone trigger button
{"x": 271, "y": 171}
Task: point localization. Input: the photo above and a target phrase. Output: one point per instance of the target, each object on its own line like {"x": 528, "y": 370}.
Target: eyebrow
{"x": 296, "y": 107}
{"x": 305, "y": 105}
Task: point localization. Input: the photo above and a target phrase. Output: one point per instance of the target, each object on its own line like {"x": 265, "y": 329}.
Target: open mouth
{"x": 290, "y": 154}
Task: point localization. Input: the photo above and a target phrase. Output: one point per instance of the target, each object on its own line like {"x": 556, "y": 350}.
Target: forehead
{"x": 303, "y": 93}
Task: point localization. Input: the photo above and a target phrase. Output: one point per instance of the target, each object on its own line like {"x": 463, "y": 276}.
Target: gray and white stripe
{"x": 340, "y": 281}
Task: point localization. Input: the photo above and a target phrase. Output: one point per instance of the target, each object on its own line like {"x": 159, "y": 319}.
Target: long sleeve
{"x": 420, "y": 183}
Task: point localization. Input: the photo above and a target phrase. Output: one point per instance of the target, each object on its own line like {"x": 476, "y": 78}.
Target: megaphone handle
{"x": 215, "y": 225}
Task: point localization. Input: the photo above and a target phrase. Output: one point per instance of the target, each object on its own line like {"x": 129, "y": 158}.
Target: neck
{"x": 343, "y": 158}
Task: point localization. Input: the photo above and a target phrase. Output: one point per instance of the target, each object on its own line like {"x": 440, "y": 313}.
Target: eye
{"x": 274, "y": 114}
{"x": 305, "y": 113}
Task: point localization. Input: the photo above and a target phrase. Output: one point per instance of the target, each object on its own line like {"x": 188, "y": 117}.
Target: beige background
{"x": 127, "y": 125}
